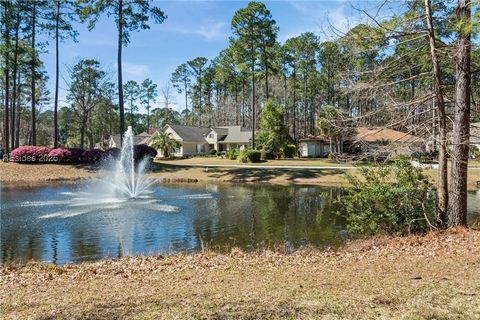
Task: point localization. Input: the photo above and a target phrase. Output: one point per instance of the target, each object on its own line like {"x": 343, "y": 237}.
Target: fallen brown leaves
{"x": 436, "y": 276}
{"x": 31, "y": 174}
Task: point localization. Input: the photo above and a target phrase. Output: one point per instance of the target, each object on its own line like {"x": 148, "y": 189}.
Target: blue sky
{"x": 192, "y": 29}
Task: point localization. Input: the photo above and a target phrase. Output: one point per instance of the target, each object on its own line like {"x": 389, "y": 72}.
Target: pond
{"x": 51, "y": 224}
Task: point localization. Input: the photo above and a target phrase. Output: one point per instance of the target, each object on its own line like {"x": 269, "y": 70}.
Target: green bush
{"x": 289, "y": 151}
{"x": 213, "y": 152}
{"x": 264, "y": 155}
{"x": 232, "y": 154}
{"x": 249, "y": 155}
{"x": 395, "y": 198}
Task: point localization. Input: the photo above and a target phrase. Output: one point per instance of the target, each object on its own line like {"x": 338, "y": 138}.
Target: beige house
{"x": 113, "y": 140}
{"x": 202, "y": 140}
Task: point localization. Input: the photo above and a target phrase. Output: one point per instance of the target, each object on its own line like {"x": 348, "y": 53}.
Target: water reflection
{"x": 213, "y": 216}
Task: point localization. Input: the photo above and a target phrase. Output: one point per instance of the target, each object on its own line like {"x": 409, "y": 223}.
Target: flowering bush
{"x": 141, "y": 150}
{"x": 30, "y": 154}
{"x": 93, "y": 155}
{"x": 65, "y": 155}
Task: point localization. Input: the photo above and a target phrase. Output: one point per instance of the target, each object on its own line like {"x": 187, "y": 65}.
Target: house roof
{"x": 237, "y": 134}
{"x": 221, "y": 131}
{"x": 143, "y": 134}
{"x": 137, "y": 139}
{"x": 384, "y": 134}
{"x": 311, "y": 138}
{"x": 190, "y": 133}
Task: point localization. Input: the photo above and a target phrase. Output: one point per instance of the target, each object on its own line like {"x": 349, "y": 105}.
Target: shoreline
{"x": 429, "y": 276}
{"x": 30, "y": 175}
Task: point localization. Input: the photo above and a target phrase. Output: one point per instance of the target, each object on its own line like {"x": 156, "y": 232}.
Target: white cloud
{"x": 334, "y": 20}
{"x": 210, "y": 31}
{"x": 136, "y": 70}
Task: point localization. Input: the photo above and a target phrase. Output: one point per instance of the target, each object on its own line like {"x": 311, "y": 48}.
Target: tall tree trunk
{"x": 200, "y": 97}
{"x": 440, "y": 104}
{"x": 186, "y": 98}
{"x": 253, "y": 96}
{"x": 19, "y": 113}
{"x": 305, "y": 107}
{"x": 7, "y": 77}
{"x": 243, "y": 103}
{"x": 237, "y": 120}
{"x": 57, "y": 68}
{"x": 119, "y": 66}
{"x": 266, "y": 80}
{"x": 294, "y": 77}
{"x": 14, "y": 80}
{"x": 148, "y": 113}
{"x": 34, "y": 58}
{"x": 285, "y": 100}
{"x": 457, "y": 213}
{"x": 82, "y": 130}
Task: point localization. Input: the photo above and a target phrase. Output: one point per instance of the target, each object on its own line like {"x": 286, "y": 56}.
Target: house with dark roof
{"x": 201, "y": 140}
{"x": 113, "y": 140}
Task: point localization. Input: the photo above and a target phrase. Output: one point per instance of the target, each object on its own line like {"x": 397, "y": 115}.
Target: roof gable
{"x": 190, "y": 133}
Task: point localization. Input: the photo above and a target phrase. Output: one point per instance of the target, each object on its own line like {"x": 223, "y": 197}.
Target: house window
{"x": 210, "y": 136}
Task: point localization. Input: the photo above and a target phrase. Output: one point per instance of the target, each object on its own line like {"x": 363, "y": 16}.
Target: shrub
{"x": 30, "y": 154}
{"x": 141, "y": 151}
{"x": 93, "y": 155}
{"x": 65, "y": 155}
{"x": 114, "y": 153}
{"x": 213, "y": 152}
{"x": 232, "y": 154}
{"x": 249, "y": 155}
{"x": 76, "y": 154}
{"x": 394, "y": 198}
{"x": 289, "y": 151}
{"x": 264, "y": 155}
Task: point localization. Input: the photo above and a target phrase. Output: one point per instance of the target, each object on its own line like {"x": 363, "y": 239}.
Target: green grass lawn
{"x": 319, "y": 162}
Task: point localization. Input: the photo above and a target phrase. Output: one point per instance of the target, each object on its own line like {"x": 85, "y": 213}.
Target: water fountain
{"x": 128, "y": 180}
{"x": 125, "y": 187}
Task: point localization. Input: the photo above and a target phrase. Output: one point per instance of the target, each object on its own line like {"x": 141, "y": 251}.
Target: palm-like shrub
{"x": 30, "y": 154}
{"x": 232, "y": 154}
{"x": 164, "y": 142}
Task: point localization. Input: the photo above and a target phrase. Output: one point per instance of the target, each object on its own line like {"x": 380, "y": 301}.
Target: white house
{"x": 201, "y": 140}
{"x": 314, "y": 147}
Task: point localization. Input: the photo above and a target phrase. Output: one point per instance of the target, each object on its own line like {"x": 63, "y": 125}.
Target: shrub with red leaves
{"x": 30, "y": 154}
{"x": 66, "y": 155}
{"x": 141, "y": 151}
{"x": 93, "y": 155}
{"x": 114, "y": 153}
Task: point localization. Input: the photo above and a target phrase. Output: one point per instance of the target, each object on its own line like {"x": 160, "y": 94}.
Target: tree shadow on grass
{"x": 249, "y": 174}
{"x": 266, "y": 175}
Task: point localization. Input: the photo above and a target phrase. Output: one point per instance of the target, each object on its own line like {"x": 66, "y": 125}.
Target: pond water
{"x": 47, "y": 224}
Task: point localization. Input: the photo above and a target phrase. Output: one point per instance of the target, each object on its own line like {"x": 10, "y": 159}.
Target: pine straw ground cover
{"x": 419, "y": 277}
